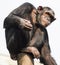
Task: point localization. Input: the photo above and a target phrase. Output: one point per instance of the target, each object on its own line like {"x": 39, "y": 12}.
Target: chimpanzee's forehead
{"x": 49, "y": 14}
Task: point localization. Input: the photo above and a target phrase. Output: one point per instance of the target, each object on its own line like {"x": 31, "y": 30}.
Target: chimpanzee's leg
{"x": 46, "y": 56}
{"x": 25, "y": 59}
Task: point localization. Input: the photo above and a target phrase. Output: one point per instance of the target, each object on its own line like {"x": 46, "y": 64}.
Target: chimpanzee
{"x": 19, "y": 31}
{"x": 45, "y": 16}
{"x": 20, "y": 36}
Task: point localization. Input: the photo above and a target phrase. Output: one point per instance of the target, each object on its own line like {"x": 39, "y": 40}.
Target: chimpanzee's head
{"x": 45, "y": 15}
{"x": 27, "y": 11}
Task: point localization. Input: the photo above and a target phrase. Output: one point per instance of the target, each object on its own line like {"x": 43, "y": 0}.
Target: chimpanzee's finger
{"x": 28, "y": 24}
{"x": 28, "y": 28}
{"x": 36, "y": 54}
{"x": 27, "y": 21}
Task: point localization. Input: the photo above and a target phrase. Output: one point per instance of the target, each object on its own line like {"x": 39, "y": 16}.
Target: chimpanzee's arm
{"x": 47, "y": 39}
{"x": 32, "y": 50}
{"x": 12, "y": 20}
{"x": 15, "y": 21}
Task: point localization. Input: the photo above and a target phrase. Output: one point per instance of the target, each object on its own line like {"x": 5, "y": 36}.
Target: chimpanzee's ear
{"x": 39, "y": 9}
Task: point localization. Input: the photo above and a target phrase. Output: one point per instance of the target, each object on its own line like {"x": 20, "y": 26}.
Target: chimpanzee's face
{"x": 33, "y": 15}
{"x": 45, "y": 19}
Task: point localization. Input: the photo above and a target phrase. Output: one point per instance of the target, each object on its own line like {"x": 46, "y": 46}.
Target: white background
{"x": 6, "y": 6}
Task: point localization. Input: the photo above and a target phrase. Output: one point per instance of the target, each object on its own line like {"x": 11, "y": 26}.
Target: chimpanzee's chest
{"x": 39, "y": 38}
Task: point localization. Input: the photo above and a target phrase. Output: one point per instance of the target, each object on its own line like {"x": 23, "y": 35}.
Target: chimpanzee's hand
{"x": 26, "y": 24}
{"x": 34, "y": 51}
